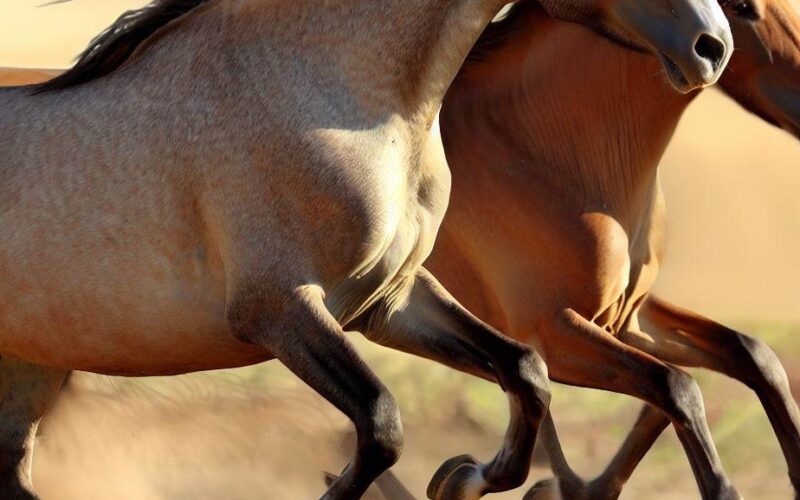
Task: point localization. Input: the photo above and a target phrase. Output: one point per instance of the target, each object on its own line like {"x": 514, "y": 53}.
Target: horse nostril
{"x": 711, "y": 49}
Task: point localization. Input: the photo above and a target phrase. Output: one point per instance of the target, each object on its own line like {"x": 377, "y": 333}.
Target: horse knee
{"x": 764, "y": 369}
{"x": 533, "y": 372}
{"x": 680, "y": 397}
{"x": 380, "y": 434}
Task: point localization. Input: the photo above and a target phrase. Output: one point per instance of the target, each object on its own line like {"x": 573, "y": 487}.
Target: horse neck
{"x": 394, "y": 57}
{"x": 381, "y": 58}
{"x": 765, "y": 69}
{"x": 448, "y": 35}
{"x": 568, "y": 111}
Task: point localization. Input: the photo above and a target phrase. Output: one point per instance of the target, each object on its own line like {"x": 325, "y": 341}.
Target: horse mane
{"x": 112, "y": 47}
{"x": 788, "y": 27}
{"x": 499, "y": 30}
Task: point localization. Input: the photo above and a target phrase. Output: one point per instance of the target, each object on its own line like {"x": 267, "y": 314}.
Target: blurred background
{"x": 734, "y": 237}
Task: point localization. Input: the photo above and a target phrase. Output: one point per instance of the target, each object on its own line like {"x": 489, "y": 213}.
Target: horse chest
{"x": 411, "y": 209}
{"x": 620, "y": 271}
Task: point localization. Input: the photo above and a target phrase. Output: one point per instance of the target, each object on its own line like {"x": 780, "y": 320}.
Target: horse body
{"x": 556, "y": 227}
{"x": 256, "y": 177}
{"x": 558, "y": 180}
{"x": 155, "y": 202}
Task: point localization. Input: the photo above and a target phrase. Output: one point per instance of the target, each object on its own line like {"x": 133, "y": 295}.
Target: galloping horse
{"x": 219, "y": 183}
{"x": 556, "y": 224}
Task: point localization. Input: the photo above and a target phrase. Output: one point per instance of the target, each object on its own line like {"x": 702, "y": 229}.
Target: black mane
{"x": 111, "y": 48}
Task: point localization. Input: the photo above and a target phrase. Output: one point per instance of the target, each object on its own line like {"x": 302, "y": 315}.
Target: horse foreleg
{"x": 26, "y": 393}
{"x": 687, "y": 339}
{"x": 433, "y": 325}
{"x": 303, "y": 335}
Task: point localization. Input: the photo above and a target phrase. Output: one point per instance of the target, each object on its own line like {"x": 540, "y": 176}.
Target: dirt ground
{"x": 258, "y": 433}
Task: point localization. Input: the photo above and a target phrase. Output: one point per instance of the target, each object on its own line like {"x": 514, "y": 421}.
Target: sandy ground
{"x": 257, "y": 433}
{"x": 731, "y": 185}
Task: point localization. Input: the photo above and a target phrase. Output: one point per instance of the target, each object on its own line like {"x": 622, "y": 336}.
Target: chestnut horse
{"x": 219, "y": 183}
{"x": 556, "y": 225}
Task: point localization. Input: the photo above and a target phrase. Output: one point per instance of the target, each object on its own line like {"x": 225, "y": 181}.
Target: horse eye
{"x": 744, "y": 9}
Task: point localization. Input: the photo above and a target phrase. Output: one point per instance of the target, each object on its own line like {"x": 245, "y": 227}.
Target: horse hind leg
{"x": 684, "y": 338}
{"x": 303, "y": 335}
{"x": 608, "y": 485}
{"x": 26, "y": 393}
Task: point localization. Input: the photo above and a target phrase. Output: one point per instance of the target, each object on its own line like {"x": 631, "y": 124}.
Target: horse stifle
{"x": 556, "y": 225}
{"x": 219, "y": 183}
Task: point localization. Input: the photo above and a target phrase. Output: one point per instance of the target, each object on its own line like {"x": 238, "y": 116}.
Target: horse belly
{"x": 136, "y": 306}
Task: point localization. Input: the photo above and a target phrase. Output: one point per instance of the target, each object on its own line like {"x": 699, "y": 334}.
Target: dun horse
{"x": 556, "y": 225}
{"x": 219, "y": 183}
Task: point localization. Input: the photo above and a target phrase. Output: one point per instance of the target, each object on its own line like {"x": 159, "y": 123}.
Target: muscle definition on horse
{"x": 219, "y": 183}
{"x": 556, "y": 226}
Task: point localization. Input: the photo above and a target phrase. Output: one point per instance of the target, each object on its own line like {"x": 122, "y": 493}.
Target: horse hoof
{"x": 442, "y": 476}
{"x": 546, "y": 489}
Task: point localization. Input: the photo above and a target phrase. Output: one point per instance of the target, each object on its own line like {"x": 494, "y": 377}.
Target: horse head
{"x": 691, "y": 37}
{"x": 764, "y": 75}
